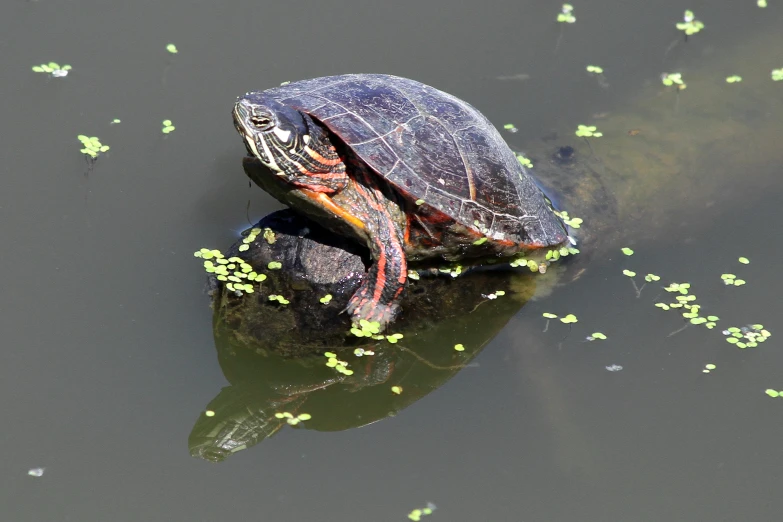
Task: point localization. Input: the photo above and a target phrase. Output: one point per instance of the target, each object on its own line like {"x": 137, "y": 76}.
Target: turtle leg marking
{"x": 377, "y": 297}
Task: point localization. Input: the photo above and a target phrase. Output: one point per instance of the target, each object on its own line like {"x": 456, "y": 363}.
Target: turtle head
{"x": 290, "y": 143}
{"x": 272, "y": 132}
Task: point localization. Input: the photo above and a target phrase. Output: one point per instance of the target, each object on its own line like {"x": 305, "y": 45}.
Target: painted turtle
{"x": 411, "y": 171}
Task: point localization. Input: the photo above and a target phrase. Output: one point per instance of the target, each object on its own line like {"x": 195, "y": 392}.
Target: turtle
{"x": 414, "y": 173}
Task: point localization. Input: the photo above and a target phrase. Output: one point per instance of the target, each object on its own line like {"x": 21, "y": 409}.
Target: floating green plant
{"x": 588, "y": 131}
{"x": 326, "y": 299}
{"x": 274, "y": 265}
{"x": 744, "y": 260}
{"x": 53, "y": 68}
{"x": 652, "y": 277}
{"x": 670, "y": 79}
{"x": 280, "y": 299}
{"x": 525, "y": 162}
{"x": 566, "y": 14}
{"x": 234, "y": 271}
{"x": 773, "y": 393}
{"x": 480, "y": 241}
{"x": 290, "y": 419}
{"x": 733, "y": 79}
{"x": 570, "y": 318}
{"x": 689, "y": 24}
{"x": 594, "y": 69}
{"x": 209, "y": 413}
{"x": 249, "y": 238}
{"x": 761, "y": 3}
{"x": 627, "y": 251}
{"x": 629, "y": 273}
{"x": 340, "y": 366}
{"x": 708, "y": 368}
{"x": 172, "y": 48}
{"x": 777, "y": 75}
{"x": 596, "y": 335}
{"x": 459, "y": 347}
{"x": 510, "y": 127}
{"x": 453, "y": 271}
{"x": 748, "y": 336}
{"x": 365, "y": 328}
{"x": 91, "y": 146}
{"x": 361, "y": 352}
{"x": 394, "y": 338}
{"x": 571, "y": 222}
{"x": 115, "y": 121}
{"x": 419, "y": 202}
{"x": 269, "y": 236}
{"x": 413, "y": 275}
{"x": 168, "y": 127}
{"x": 731, "y": 280}
{"x": 496, "y": 294}
{"x": 396, "y": 389}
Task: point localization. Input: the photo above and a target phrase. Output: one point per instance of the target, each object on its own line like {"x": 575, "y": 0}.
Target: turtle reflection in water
{"x": 409, "y": 171}
{"x": 273, "y": 355}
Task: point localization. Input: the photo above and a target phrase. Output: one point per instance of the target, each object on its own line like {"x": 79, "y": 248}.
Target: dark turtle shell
{"x": 433, "y": 147}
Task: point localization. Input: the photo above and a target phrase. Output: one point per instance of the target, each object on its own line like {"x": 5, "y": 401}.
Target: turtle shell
{"x": 433, "y": 147}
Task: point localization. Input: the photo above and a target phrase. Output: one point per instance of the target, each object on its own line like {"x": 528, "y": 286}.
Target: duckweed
{"x": 365, "y": 328}
{"x": 524, "y": 161}
{"x": 627, "y": 251}
{"x": 570, "y": 318}
{"x": 566, "y": 14}
{"x": 91, "y": 146}
{"x": 670, "y": 79}
{"x": 777, "y": 75}
{"x": 690, "y": 25}
{"x": 459, "y": 347}
{"x": 733, "y": 79}
{"x": 168, "y": 127}
{"x": 394, "y": 338}
{"x": 52, "y": 68}
{"x": 172, "y": 48}
{"x": 396, "y": 389}
{"x": 588, "y": 131}
{"x": 326, "y": 299}
{"x": 594, "y": 69}
{"x": 290, "y": 419}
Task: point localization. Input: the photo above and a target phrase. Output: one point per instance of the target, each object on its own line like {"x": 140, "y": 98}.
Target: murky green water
{"x": 108, "y": 357}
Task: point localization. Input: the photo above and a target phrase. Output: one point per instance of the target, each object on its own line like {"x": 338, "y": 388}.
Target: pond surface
{"x": 108, "y": 356}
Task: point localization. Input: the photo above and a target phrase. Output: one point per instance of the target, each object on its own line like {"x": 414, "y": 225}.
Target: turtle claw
{"x": 381, "y": 313}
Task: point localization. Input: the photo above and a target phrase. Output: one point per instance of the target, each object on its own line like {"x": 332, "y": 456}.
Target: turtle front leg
{"x": 377, "y": 299}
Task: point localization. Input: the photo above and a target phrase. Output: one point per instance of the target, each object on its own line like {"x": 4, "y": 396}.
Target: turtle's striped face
{"x": 276, "y": 136}
{"x": 290, "y": 143}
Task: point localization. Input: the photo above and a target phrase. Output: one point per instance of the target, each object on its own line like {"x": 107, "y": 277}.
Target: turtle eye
{"x": 261, "y": 121}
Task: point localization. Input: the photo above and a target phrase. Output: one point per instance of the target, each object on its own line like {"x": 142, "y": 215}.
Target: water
{"x": 108, "y": 355}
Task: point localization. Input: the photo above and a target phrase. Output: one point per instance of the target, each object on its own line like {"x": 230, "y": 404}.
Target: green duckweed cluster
{"x": 566, "y": 14}
{"x": 248, "y": 239}
{"x": 290, "y": 419}
{"x": 748, "y": 336}
{"x": 568, "y": 319}
{"x": 52, "y": 68}
{"x": 91, "y": 146}
{"x": 689, "y": 24}
{"x": 588, "y": 131}
{"x": 524, "y": 161}
{"x": 672, "y": 79}
{"x": 238, "y": 275}
{"x": 168, "y": 127}
{"x": 340, "y": 366}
